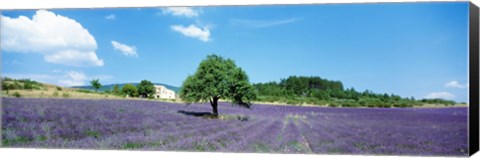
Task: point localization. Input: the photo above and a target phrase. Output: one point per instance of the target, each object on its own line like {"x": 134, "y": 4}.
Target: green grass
{"x": 132, "y": 146}
{"x": 336, "y": 151}
{"x": 42, "y": 138}
{"x": 201, "y": 146}
{"x": 121, "y": 110}
{"x": 157, "y": 143}
{"x": 92, "y": 134}
{"x": 325, "y": 142}
{"x": 260, "y": 147}
{"x": 17, "y": 140}
{"x": 297, "y": 146}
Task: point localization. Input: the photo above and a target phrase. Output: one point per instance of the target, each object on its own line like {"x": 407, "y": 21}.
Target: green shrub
{"x": 6, "y": 86}
{"x": 66, "y": 95}
{"x": 59, "y": 88}
{"x": 438, "y": 101}
{"x": 321, "y": 102}
{"x": 311, "y": 100}
{"x": 17, "y": 85}
{"x": 291, "y": 102}
{"x": 151, "y": 97}
{"x": 28, "y": 86}
{"x": 332, "y": 105}
{"x": 55, "y": 94}
{"x": 16, "y": 94}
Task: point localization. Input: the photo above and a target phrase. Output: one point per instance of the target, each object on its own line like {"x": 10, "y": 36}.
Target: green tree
{"x": 218, "y": 78}
{"x": 96, "y": 84}
{"x": 146, "y": 88}
{"x": 116, "y": 89}
{"x": 130, "y": 90}
{"x": 6, "y": 86}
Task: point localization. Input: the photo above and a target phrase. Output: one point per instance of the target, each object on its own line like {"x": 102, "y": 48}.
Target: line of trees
{"x": 145, "y": 89}
{"x": 319, "y": 91}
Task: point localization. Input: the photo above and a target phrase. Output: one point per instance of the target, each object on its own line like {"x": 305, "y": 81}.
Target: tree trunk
{"x": 214, "y": 104}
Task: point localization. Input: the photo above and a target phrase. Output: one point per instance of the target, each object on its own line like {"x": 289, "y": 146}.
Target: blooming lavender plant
{"x": 150, "y": 125}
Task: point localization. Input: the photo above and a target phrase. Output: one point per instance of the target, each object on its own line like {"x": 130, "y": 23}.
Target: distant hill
{"x": 110, "y": 86}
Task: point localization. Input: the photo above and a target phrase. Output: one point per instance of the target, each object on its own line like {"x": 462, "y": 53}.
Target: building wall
{"x": 164, "y": 93}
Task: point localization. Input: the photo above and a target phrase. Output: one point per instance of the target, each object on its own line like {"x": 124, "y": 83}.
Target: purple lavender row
{"x": 292, "y": 141}
{"x": 210, "y": 140}
{"x": 261, "y": 139}
{"x": 148, "y": 125}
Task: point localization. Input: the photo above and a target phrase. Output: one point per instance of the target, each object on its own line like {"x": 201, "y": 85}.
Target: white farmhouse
{"x": 163, "y": 93}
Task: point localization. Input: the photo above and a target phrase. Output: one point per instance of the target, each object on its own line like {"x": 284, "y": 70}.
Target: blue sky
{"x": 410, "y": 49}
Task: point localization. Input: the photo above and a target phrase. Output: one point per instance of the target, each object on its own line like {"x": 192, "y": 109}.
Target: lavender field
{"x": 150, "y": 125}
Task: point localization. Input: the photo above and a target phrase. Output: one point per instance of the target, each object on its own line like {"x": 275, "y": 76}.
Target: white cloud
{"x": 262, "y": 23}
{"x": 193, "y": 31}
{"x": 73, "y": 78}
{"x": 59, "y": 39}
{"x": 61, "y": 78}
{"x": 181, "y": 11}
{"x": 455, "y": 84}
{"x": 440, "y": 95}
{"x": 125, "y": 49}
{"x": 56, "y": 70}
{"x": 110, "y": 17}
{"x": 74, "y": 58}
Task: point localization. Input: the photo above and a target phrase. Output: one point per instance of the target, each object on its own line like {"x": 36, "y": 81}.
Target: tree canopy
{"x": 318, "y": 91}
{"x": 96, "y": 84}
{"x": 146, "y": 88}
{"x": 116, "y": 89}
{"x": 130, "y": 90}
{"x": 218, "y": 78}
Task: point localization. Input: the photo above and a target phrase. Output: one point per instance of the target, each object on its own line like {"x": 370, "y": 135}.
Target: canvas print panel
{"x": 375, "y": 79}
